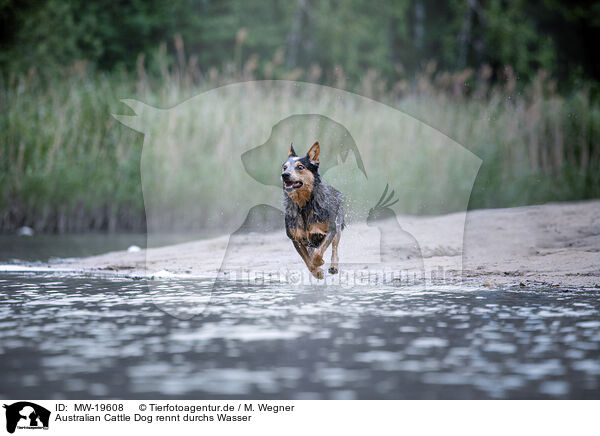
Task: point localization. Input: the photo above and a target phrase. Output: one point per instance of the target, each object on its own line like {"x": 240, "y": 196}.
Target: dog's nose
{"x": 285, "y": 176}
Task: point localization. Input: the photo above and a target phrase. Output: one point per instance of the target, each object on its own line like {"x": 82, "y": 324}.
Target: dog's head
{"x": 299, "y": 175}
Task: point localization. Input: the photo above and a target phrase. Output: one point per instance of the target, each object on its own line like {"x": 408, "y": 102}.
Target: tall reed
{"x": 68, "y": 166}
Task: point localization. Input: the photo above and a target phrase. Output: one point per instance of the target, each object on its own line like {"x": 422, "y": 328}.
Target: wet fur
{"x": 314, "y": 216}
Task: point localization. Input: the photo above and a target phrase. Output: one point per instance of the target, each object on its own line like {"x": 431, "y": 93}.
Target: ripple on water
{"x": 106, "y": 338}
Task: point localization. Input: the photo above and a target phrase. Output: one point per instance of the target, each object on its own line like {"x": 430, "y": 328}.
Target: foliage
{"x": 68, "y": 166}
{"x": 392, "y": 37}
{"x": 514, "y": 81}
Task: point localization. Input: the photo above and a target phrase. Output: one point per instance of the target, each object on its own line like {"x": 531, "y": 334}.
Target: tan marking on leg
{"x": 317, "y": 257}
{"x": 298, "y": 234}
{"x": 302, "y": 251}
{"x": 317, "y": 253}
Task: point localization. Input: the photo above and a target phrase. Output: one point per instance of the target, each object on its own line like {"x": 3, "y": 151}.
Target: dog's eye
{"x": 300, "y": 167}
{"x": 284, "y": 166}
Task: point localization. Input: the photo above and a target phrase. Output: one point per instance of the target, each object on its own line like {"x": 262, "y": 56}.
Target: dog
{"x": 314, "y": 215}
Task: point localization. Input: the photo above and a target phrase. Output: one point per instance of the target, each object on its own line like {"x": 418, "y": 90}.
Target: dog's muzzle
{"x": 290, "y": 185}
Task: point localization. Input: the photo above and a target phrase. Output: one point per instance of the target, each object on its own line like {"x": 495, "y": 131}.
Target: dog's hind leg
{"x": 333, "y": 269}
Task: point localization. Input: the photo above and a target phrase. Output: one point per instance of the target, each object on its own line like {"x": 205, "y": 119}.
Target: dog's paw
{"x": 318, "y": 273}
{"x": 333, "y": 270}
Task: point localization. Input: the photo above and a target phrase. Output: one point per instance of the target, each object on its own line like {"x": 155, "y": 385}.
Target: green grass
{"x": 68, "y": 166}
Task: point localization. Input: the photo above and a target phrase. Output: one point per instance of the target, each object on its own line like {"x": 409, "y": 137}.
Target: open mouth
{"x": 292, "y": 185}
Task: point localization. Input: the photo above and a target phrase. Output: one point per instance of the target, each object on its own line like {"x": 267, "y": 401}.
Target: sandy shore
{"x": 553, "y": 244}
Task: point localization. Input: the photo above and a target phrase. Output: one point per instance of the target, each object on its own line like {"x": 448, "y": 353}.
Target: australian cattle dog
{"x": 314, "y": 216}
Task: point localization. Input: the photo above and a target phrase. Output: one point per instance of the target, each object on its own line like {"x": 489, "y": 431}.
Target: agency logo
{"x": 26, "y": 415}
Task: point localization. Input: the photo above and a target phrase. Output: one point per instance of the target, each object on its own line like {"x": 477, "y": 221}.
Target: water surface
{"x": 82, "y": 337}
{"x": 44, "y": 247}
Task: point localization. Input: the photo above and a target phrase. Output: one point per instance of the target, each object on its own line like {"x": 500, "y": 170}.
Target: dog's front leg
{"x": 303, "y": 252}
{"x": 333, "y": 269}
{"x": 317, "y": 257}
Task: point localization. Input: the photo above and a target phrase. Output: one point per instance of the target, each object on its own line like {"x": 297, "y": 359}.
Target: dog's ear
{"x": 313, "y": 153}
{"x": 292, "y": 152}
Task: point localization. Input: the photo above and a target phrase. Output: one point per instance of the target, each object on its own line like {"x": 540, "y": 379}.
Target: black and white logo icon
{"x": 26, "y": 415}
